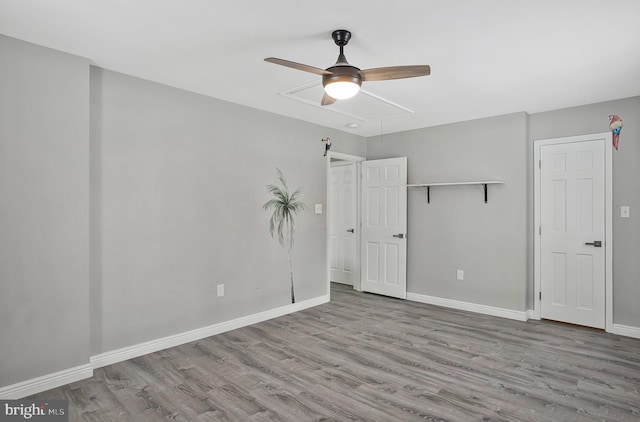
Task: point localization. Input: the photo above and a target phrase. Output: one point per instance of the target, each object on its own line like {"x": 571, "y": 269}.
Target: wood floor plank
{"x": 365, "y": 357}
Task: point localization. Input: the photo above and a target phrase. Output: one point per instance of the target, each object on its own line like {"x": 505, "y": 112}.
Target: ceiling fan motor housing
{"x": 342, "y": 74}
{"x": 342, "y": 71}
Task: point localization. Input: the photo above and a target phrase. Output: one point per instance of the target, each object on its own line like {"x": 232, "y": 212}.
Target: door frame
{"x": 357, "y": 160}
{"x": 604, "y": 137}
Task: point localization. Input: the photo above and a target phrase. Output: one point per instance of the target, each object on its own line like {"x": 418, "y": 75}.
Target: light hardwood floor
{"x": 370, "y": 358}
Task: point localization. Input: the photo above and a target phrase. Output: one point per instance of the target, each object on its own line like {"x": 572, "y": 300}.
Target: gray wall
{"x": 178, "y": 184}
{"x": 626, "y": 176}
{"x": 457, "y": 230}
{"x": 125, "y": 202}
{"x": 493, "y": 243}
{"x": 44, "y": 211}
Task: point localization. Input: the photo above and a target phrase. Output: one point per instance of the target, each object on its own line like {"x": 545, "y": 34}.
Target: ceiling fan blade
{"x": 298, "y": 66}
{"x": 327, "y": 100}
{"x": 395, "y": 72}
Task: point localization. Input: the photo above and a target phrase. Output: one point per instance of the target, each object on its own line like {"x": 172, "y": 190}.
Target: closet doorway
{"x": 573, "y": 219}
{"x": 367, "y": 223}
{"x": 343, "y": 210}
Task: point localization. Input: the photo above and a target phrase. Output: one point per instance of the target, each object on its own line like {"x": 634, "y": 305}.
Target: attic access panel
{"x": 365, "y": 106}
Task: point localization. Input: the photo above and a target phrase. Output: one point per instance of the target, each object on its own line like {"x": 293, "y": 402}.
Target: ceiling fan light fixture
{"x": 343, "y": 83}
{"x": 342, "y": 90}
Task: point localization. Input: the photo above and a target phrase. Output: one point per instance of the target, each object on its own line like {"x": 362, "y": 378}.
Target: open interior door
{"x": 384, "y": 227}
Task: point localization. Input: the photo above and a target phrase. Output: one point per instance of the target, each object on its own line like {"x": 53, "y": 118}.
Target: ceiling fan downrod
{"x": 341, "y": 37}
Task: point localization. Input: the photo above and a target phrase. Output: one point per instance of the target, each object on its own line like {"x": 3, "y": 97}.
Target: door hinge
{"x": 540, "y": 230}
{"x": 540, "y": 295}
{"x": 539, "y": 164}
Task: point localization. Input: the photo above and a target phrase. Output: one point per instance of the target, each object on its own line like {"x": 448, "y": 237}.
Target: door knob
{"x": 399, "y": 236}
{"x": 351, "y": 230}
{"x": 595, "y": 243}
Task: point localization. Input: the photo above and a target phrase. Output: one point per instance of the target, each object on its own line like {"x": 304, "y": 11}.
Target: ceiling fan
{"x": 342, "y": 80}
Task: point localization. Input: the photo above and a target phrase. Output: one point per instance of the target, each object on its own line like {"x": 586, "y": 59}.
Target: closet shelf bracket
{"x": 484, "y": 183}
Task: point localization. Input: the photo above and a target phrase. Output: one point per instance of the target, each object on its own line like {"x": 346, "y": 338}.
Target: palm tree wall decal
{"x": 285, "y": 206}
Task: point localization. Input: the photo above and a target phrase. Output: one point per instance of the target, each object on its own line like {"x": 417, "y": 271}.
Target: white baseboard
{"x": 467, "y": 306}
{"x": 533, "y": 314}
{"x": 45, "y": 382}
{"x": 626, "y": 330}
{"x": 130, "y": 352}
{"x": 57, "y": 379}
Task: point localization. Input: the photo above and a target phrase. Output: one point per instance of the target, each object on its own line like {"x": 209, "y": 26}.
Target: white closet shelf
{"x": 427, "y": 186}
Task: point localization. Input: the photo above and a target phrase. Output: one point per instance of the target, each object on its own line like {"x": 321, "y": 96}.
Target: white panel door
{"x": 572, "y": 217}
{"x": 384, "y": 227}
{"x": 342, "y": 220}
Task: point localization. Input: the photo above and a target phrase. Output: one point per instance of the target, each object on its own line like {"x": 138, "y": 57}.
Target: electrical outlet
{"x": 258, "y": 284}
{"x": 220, "y": 290}
{"x": 624, "y": 211}
{"x": 318, "y": 208}
{"x": 460, "y": 275}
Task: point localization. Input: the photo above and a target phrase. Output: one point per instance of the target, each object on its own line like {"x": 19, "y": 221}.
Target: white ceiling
{"x": 487, "y": 57}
